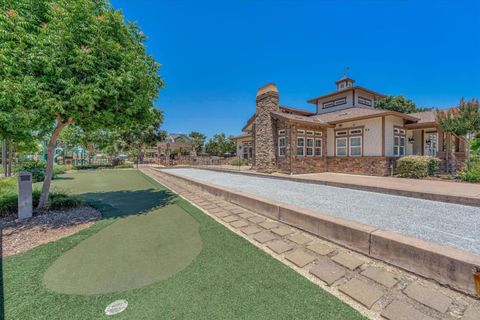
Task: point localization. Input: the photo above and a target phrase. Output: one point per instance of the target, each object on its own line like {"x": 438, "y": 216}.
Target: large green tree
{"x": 220, "y": 145}
{"x": 398, "y": 104}
{"x": 16, "y": 90}
{"x": 84, "y": 64}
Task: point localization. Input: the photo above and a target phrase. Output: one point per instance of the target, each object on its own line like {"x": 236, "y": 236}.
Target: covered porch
{"x": 431, "y": 140}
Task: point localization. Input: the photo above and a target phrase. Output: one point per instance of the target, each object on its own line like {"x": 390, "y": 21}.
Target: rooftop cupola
{"x": 344, "y": 83}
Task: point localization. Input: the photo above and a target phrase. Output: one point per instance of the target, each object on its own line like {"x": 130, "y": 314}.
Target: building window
{"x": 365, "y": 101}
{"x": 341, "y": 147}
{"x": 309, "y": 133}
{"x": 333, "y": 103}
{"x": 281, "y": 132}
{"x": 398, "y": 142}
{"x": 309, "y": 147}
{"x": 301, "y": 146}
{"x": 282, "y": 148}
{"x": 300, "y": 132}
{"x": 355, "y": 146}
{"x": 318, "y": 133}
{"x": 349, "y": 142}
{"x": 318, "y": 147}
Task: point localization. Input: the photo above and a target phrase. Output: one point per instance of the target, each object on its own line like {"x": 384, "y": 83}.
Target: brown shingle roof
{"x": 425, "y": 116}
{"x": 296, "y": 111}
{"x": 314, "y": 100}
{"x": 298, "y": 118}
{"x": 357, "y": 114}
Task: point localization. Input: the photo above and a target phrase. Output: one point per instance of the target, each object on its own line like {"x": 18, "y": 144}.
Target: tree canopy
{"x": 461, "y": 121}
{"x": 77, "y": 61}
{"x": 198, "y": 140}
{"x": 220, "y": 145}
{"x": 398, "y": 104}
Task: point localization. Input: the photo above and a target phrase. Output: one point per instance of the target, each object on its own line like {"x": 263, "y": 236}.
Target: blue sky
{"x": 215, "y": 55}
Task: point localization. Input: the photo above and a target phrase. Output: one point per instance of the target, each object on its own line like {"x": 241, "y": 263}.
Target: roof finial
{"x": 345, "y": 71}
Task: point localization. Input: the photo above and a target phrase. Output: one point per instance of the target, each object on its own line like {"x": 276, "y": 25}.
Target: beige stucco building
{"x": 345, "y": 134}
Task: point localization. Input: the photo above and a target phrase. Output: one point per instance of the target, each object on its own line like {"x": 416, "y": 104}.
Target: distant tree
{"x": 398, "y": 104}
{"x": 198, "y": 140}
{"x": 143, "y": 134}
{"x": 220, "y": 145}
{"x": 80, "y": 63}
{"x": 463, "y": 122}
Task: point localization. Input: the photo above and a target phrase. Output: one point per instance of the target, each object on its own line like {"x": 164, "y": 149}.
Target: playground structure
{"x": 71, "y": 156}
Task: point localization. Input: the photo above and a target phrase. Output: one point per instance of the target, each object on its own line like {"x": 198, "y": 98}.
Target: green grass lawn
{"x": 227, "y": 278}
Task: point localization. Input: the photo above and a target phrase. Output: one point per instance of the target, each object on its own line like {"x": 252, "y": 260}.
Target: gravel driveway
{"x": 451, "y": 224}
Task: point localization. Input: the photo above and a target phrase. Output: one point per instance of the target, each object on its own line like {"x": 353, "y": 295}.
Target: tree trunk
{"x": 4, "y": 157}
{"x": 50, "y": 155}
{"x": 10, "y": 158}
{"x": 138, "y": 157}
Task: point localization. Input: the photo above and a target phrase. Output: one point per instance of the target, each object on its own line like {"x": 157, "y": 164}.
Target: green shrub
{"x": 239, "y": 162}
{"x": 9, "y": 198}
{"x": 102, "y": 166}
{"x": 124, "y": 166}
{"x": 472, "y": 172}
{"x": 417, "y": 166}
{"x": 57, "y": 200}
{"x": 58, "y": 169}
{"x": 35, "y": 167}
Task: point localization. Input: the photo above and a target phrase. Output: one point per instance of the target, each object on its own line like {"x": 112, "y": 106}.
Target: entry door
{"x": 431, "y": 144}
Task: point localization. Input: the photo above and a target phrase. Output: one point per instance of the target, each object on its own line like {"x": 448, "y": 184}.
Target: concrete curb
{"x": 449, "y": 266}
{"x": 411, "y": 194}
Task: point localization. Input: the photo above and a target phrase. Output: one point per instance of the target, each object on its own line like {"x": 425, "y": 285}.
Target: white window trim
{"x": 281, "y": 132}
{"x": 350, "y": 146}
{"x": 303, "y": 147}
{"x": 346, "y": 147}
{"x": 312, "y": 147}
{"x": 321, "y": 147}
{"x": 284, "y": 147}
{"x": 399, "y": 133}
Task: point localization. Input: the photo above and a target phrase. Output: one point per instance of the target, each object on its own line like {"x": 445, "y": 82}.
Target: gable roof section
{"x": 298, "y": 118}
{"x": 296, "y": 111}
{"x": 314, "y": 100}
{"x": 358, "y": 114}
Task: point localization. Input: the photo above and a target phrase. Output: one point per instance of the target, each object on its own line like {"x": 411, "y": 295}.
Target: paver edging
{"x": 449, "y": 266}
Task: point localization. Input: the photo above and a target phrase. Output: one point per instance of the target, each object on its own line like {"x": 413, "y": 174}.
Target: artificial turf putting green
{"x": 229, "y": 279}
{"x": 133, "y": 252}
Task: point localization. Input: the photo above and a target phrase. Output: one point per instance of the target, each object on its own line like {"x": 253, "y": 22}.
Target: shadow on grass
{"x": 121, "y": 203}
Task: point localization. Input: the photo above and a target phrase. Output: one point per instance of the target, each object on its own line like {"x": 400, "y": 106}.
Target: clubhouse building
{"x": 345, "y": 134}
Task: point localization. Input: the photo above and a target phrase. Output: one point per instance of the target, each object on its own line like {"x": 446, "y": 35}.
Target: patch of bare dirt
{"x": 21, "y": 236}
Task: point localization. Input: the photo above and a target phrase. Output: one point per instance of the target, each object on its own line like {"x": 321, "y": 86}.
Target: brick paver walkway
{"x": 376, "y": 289}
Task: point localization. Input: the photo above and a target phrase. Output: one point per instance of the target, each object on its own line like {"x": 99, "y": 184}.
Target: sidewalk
{"x": 450, "y": 188}
{"x": 445, "y": 191}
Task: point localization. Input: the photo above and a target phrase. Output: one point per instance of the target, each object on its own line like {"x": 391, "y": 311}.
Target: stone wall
{"x": 308, "y": 164}
{"x": 377, "y": 166}
{"x": 266, "y": 101}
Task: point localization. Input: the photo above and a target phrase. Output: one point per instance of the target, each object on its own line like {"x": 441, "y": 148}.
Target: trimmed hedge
{"x": 9, "y": 198}
{"x": 417, "y": 167}
{"x": 471, "y": 173}
{"x": 239, "y": 162}
{"x": 103, "y": 166}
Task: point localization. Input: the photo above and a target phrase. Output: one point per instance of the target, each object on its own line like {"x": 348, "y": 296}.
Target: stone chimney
{"x": 266, "y": 102}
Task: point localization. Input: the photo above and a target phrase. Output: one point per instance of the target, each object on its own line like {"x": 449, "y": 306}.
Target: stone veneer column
{"x": 266, "y": 102}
